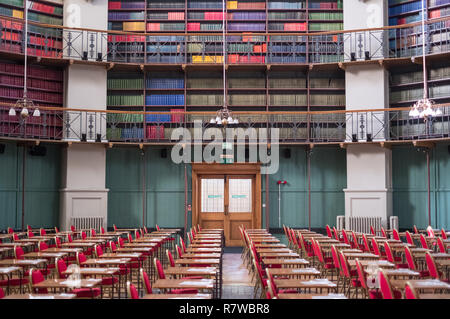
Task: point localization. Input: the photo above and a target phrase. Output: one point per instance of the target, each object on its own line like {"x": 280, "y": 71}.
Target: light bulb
{"x": 236, "y": 121}
{"x": 213, "y": 121}
{"x": 230, "y": 119}
{"x": 438, "y": 112}
{"x": 414, "y": 112}
{"x": 12, "y": 112}
{"x": 24, "y": 112}
{"x": 36, "y": 112}
{"x": 224, "y": 121}
{"x": 217, "y": 119}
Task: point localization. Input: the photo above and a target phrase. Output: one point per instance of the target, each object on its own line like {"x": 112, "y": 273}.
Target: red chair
{"x": 395, "y": 234}
{"x": 83, "y": 235}
{"x": 350, "y": 276}
{"x": 275, "y": 290}
{"x": 366, "y": 244}
{"x": 409, "y": 238}
{"x": 376, "y": 249}
{"x": 16, "y": 283}
{"x": 416, "y": 231}
{"x": 430, "y": 232}
{"x": 423, "y": 241}
{"x": 346, "y": 240}
{"x": 261, "y": 278}
{"x": 129, "y": 238}
{"x": 42, "y": 246}
{"x": 36, "y": 277}
{"x": 72, "y": 228}
{"x": 30, "y": 234}
{"x": 371, "y": 293}
{"x": 42, "y": 232}
{"x": 410, "y": 292}
{"x": 102, "y": 230}
{"x": 385, "y": 286}
{"x": 393, "y": 259}
{"x": 337, "y": 265}
{"x": 80, "y": 292}
{"x": 161, "y": 275}
{"x": 441, "y": 245}
{"x": 157, "y": 227}
{"x": 383, "y": 233}
{"x": 29, "y": 228}
{"x": 306, "y": 248}
{"x": 356, "y": 244}
{"x": 93, "y": 232}
{"x": 145, "y": 230}
{"x": 121, "y": 242}
{"x": 132, "y": 291}
{"x": 15, "y": 236}
{"x": 329, "y": 234}
{"x": 183, "y": 245}
{"x": 137, "y": 235}
{"x": 336, "y": 235}
{"x": 326, "y": 262}
{"x": 443, "y": 234}
{"x": 124, "y": 270}
{"x": 10, "y": 230}
{"x": 372, "y": 231}
{"x": 69, "y": 238}
{"x": 433, "y": 269}
{"x": 412, "y": 263}
{"x": 56, "y": 230}
{"x": 115, "y": 227}
{"x": 146, "y": 281}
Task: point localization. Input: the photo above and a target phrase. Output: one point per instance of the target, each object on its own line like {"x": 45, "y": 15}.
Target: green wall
{"x": 410, "y": 199}
{"x": 165, "y": 188}
{"x": 42, "y": 184}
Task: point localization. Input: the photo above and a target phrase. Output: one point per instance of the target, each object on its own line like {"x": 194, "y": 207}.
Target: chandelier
{"x": 24, "y": 104}
{"x": 224, "y": 117}
{"x": 424, "y": 108}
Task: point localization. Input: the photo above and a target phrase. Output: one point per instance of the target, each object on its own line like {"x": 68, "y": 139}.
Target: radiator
{"x": 393, "y": 222}
{"x": 90, "y": 222}
{"x": 340, "y": 222}
{"x": 362, "y": 224}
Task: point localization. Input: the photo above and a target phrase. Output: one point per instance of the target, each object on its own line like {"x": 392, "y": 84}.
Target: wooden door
{"x": 227, "y": 201}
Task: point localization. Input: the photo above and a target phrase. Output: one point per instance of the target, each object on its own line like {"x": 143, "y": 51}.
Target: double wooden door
{"x": 227, "y": 201}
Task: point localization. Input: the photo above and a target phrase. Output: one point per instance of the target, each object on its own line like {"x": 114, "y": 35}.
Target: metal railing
{"x": 254, "y": 48}
{"x": 158, "y": 127}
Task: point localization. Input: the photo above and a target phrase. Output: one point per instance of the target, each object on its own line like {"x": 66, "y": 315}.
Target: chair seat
{"x": 329, "y": 266}
{"x": 356, "y": 283}
{"x": 402, "y": 265}
{"x": 86, "y": 292}
{"x": 287, "y": 291}
{"x": 375, "y": 294}
{"x": 14, "y": 282}
{"x": 424, "y": 273}
{"x": 110, "y": 281}
{"x": 183, "y": 291}
{"x": 397, "y": 294}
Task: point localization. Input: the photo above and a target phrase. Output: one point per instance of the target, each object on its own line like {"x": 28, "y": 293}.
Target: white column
{"x": 369, "y": 173}
{"x": 83, "y": 192}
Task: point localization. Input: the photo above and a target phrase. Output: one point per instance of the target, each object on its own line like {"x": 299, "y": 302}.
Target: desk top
{"x": 184, "y": 283}
{"x": 41, "y": 296}
{"x": 64, "y": 283}
{"x": 175, "y": 296}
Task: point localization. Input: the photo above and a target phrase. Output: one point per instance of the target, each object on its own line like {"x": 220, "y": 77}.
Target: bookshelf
{"x": 42, "y": 11}
{"x": 45, "y": 87}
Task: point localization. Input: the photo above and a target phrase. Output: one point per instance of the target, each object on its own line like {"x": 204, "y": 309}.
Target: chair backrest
{"x": 170, "y": 257}
{"x": 416, "y": 231}
{"x": 157, "y": 227}
{"x": 81, "y": 258}
{"x": 409, "y": 238}
{"x": 372, "y": 231}
{"x": 395, "y": 234}
{"x": 42, "y": 232}
{"x": 289, "y": 235}
{"x": 260, "y": 272}
{"x": 114, "y": 227}
{"x": 410, "y": 259}
{"x": 93, "y": 232}
{"x": 29, "y": 227}
{"x": 56, "y": 230}
{"x": 383, "y": 232}
{"x": 410, "y": 292}
{"x": 271, "y": 282}
{"x": 83, "y": 235}
{"x": 270, "y": 293}
{"x": 98, "y": 251}
{"x": 355, "y": 239}
{"x": 42, "y": 246}
{"x": 102, "y": 230}
{"x": 132, "y": 291}
{"x": 361, "y": 274}
{"x": 294, "y": 238}
{"x": 443, "y": 234}
{"x": 121, "y": 242}
{"x": 344, "y": 235}
{"x": 430, "y": 232}
{"x": 130, "y": 238}
{"x": 423, "y": 241}
{"x": 159, "y": 269}
{"x": 335, "y": 256}
{"x": 146, "y": 281}
{"x": 18, "y": 252}
{"x": 36, "y": 277}
{"x": 336, "y": 236}
{"x": 376, "y": 249}
{"x": 69, "y": 238}
{"x": 61, "y": 267}
{"x": 30, "y": 234}
{"x": 136, "y": 234}
{"x": 112, "y": 246}
{"x": 189, "y": 237}
{"x": 441, "y": 245}
{"x": 385, "y": 286}
{"x": 432, "y": 268}
{"x": 302, "y": 241}
{"x": 58, "y": 242}
{"x": 179, "y": 253}
{"x": 199, "y": 227}
{"x": 183, "y": 245}
{"x": 15, "y": 236}
{"x": 388, "y": 250}
{"x": 344, "y": 264}
{"x": 72, "y": 228}
{"x": 328, "y": 229}
{"x": 319, "y": 252}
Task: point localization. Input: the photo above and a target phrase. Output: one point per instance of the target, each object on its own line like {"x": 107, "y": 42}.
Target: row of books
{"x": 165, "y": 15}
{"x": 164, "y": 83}
{"x": 245, "y": 5}
{"x": 11, "y": 12}
{"x": 204, "y": 4}
{"x": 286, "y": 48}
{"x": 247, "y": 16}
{"x": 286, "y": 5}
{"x": 433, "y": 3}
{"x": 129, "y": 99}
{"x": 45, "y": 8}
{"x": 32, "y": 83}
{"x": 236, "y": 58}
{"x": 126, "y": 15}
{"x": 288, "y": 99}
{"x": 246, "y": 48}
{"x": 197, "y": 26}
{"x": 204, "y": 99}
{"x": 205, "y": 15}
{"x": 405, "y": 7}
{"x": 175, "y": 117}
{"x": 287, "y": 15}
{"x": 326, "y": 5}
{"x": 164, "y": 99}
{"x": 124, "y": 118}
{"x": 234, "y": 83}
{"x": 31, "y": 130}
{"x": 326, "y": 16}
{"x": 41, "y": 97}
{"x": 327, "y": 99}
{"x": 288, "y": 26}
{"x": 165, "y": 26}
{"x": 327, "y": 82}
{"x": 325, "y": 26}
{"x": 165, "y": 4}
{"x": 33, "y": 71}
{"x": 128, "y": 83}
{"x": 126, "y": 5}
{"x": 32, "y": 16}
{"x": 233, "y": 26}
{"x": 438, "y": 13}
{"x": 16, "y": 3}
{"x": 246, "y": 99}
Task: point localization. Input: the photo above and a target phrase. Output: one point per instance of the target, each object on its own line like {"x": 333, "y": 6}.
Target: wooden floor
{"x": 237, "y": 283}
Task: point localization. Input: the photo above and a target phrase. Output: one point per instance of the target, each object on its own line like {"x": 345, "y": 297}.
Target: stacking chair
{"x": 385, "y": 286}
{"x": 433, "y": 269}
{"x": 80, "y": 292}
{"x": 393, "y": 259}
{"x": 132, "y": 291}
{"x": 412, "y": 263}
{"x": 410, "y": 292}
{"x": 161, "y": 275}
{"x": 371, "y": 293}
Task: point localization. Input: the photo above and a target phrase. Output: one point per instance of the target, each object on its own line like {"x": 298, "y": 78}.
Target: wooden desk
{"x": 259, "y": 245}
{"x": 366, "y": 262}
{"x": 274, "y": 250}
{"x": 175, "y": 296}
{"x": 23, "y": 262}
{"x": 78, "y": 245}
{"x": 180, "y": 272}
{"x": 44, "y": 254}
{"x": 122, "y": 255}
{"x": 105, "y": 261}
{"x": 294, "y": 262}
{"x": 434, "y": 296}
{"x": 361, "y": 256}
{"x": 8, "y": 272}
{"x": 200, "y": 284}
{"x": 311, "y": 296}
{"x": 278, "y": 255}
{"x": 317, "y": 284}
{"x": 299, "y": 273}
{"x": 200, "y": 245}
{"x": 421, "y": 284}
{"x": 41, "y": 296}
{"x": 63, "y": 284}
{"x": 201, "y": 261}
{"x": 203, "y": 250}
{"x": 399, "y": 273}
{"x": 202, "y": 255}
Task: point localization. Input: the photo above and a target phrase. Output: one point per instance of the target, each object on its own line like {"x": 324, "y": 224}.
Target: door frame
{"x": 227, "y": 169}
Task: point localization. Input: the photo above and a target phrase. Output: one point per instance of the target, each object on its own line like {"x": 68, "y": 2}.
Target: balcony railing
{"x": 255, "y": 48}
{"x": 157, "y": 127}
